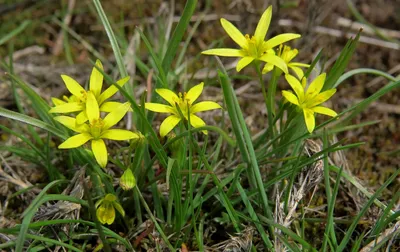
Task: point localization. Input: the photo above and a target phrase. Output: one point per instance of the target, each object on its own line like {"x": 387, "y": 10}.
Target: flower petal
{"x": 275, "y": 60}
{"x": 309, "y": 119}
{"x": 57, "y": 101}
{"x": 112, "y": 90}
{"x": 194, "y": 93}
{"x": 267, "y": 68}
{"x": 75, "y": 141}
{"x": 119, "y": 208}
{"x": 118, "y": 134}
{"x": 106, "y": 213}
{"x": 100, "y": 152}
{"x": 70, "y": 123}
{"x": 324, "y": 111}
{"x": 160, "y": 108}
{"x": 316, "y": 86}
{"x": 243, "y": 62}
{"x": 204, "y": 106}
{"x": 109, "y": 106}
{"x": 115, "y": 116}
{"x": 296, "y": 86}
{"x": 167, "y": 95}
{"x": 234, "y": 33}
{"x": 73, "y": 86}
{"x": 290, "y": 97}
{"x": 67, "y": 108}
{"x": 226, "y": 52}
{"x": 81, "y": 117}
{"x": 297, "y": 70}
{"x": 96, "y": 79}
{"x": 263, "y": 25}
{"x": 321, "y": 98}
{"x": 280, "y": 39}
{"x": 196, "y": 122}
{"x": 168, "y": 124}
{"x": 92, "y": 107}
{"x": 298, "y": 64}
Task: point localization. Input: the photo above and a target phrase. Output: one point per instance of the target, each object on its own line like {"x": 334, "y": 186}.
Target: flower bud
{"x": 127, "y": 180}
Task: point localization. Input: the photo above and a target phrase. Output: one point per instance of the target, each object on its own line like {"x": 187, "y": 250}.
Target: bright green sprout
{"x": 77, "y": 102}
{"x": 309, "y": 100}
{"x": 97, "y": 129}
{"x": 106, "y": 209}
{"x": 254, "y": 47}
{"x": 181, "y": 103}
{"x": 127, "y": 180}
{"x": 288, "y": 54}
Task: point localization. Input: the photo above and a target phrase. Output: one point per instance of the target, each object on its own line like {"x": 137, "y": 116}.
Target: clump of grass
{"x": 170, "y": 190}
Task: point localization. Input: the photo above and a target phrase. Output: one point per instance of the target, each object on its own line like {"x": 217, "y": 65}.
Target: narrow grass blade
{"x": 178, "y": 34}
{"x": 15, "y": 32}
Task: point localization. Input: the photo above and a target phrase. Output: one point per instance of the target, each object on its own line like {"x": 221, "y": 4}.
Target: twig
{"x": 67, "y": 20}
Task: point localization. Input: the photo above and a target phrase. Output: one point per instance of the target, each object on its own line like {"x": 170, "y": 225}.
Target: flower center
{"x": 83, "y": 96}
{"x": 184, "y": 103}
{"x": 96, "y": 127}
{"x": 254, "y": 49}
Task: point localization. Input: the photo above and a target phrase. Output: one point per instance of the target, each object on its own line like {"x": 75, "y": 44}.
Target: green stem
{"x": 153, "y": 218}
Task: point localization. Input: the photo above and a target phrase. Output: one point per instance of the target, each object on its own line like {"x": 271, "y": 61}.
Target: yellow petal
{"x": 267, "y": 68}
{"x": 96, "y": 79}
{"x": 297, "y": 70}
{"x": 118, "y": 134}
{"x": 81, "y": 117}
{"x": 167, "y": 95}
{"x": 157, "y": 107}
{"x": 280, "y": 39}
{"x": 275, "y": 60}
{"x": 70, "y": 123}
{"x": 100, "y": 152}
{"x": 243, "y": 62}
{"x": 57, "y": 101}
{"x": 204, "y": 106}
{"x": 73, "y": 86}
{"x": 324, "y": 111}
{"x": 67, "y": 108}
{"x": 109, "y": 106}
{"x": 234, "y": 33}
{"x": 296, "y": 86}
{"x": 226, "y": 52}
{"x": 309, "y": 119}
{"x": 75, "y": 141}
{"x": 112, "y": 90}
{"x": 316, "y": 86}
{"x": 321, "y": 98}
{"x": 263, "y": 25}
{"x": 115, "y": 116}
{"x": 290, "y": 97}
{"x": 119, "y": 208}
{"x": 196, "y": 122}
{"x": 168, "y": 124}
{"x": 194, "y": 92}
{"x": 298, "y": 64}
{"x": 92, "y": 107}
{"x": 106, "y": 213}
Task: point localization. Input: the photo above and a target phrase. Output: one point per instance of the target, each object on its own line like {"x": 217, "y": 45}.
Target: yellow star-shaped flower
{"x": 254, "y": 47}
{"x": 309, "y": 100}
{"x": 183, "y": 103}
{"x": 77, "y": 102}
{"x": 96, "y": 130}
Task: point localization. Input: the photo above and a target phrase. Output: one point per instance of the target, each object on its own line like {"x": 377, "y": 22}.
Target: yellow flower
{"x": 254, "y": 47}
{"x": 127, "y": 180}
{"x": 97, "y": 129}
{"x": 287, "y": 54}
{"x": 106, "y": 209}
{"x": 309, "y": 100}
{"x": 77, "y": 102}
{"x": 181, "y": 103}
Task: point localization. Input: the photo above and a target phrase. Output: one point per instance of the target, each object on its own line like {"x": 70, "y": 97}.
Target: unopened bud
{"x": 127, "y": 180}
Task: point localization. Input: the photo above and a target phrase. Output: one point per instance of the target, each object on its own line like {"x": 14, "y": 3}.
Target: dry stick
{"x": 67, "y": 20}
{"x": 385, "y": 234}
{"x": 347, "y": 23}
